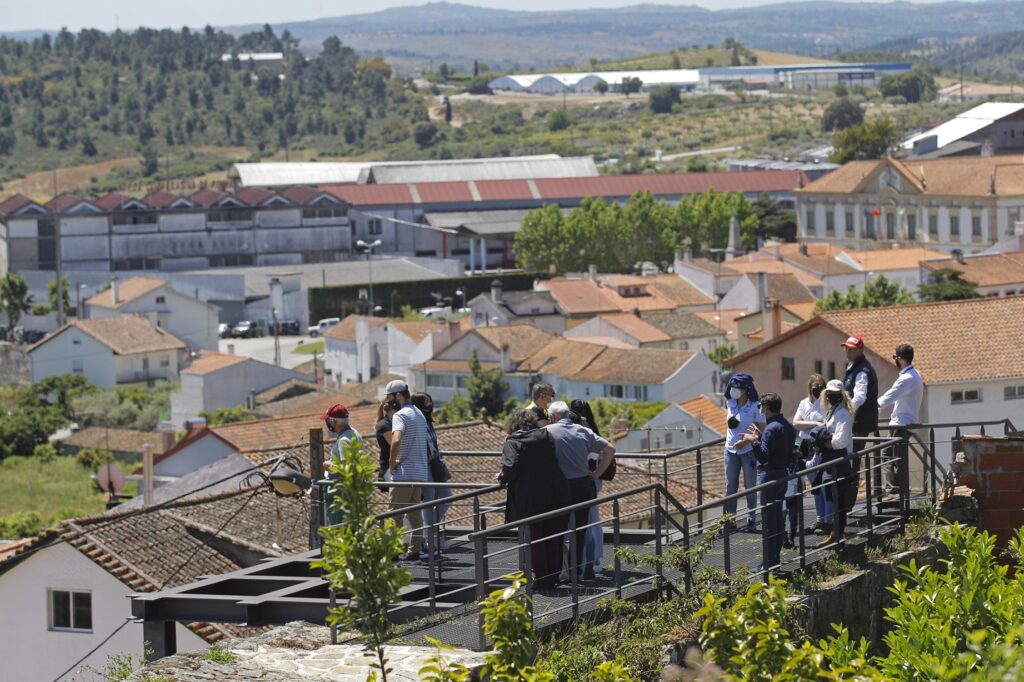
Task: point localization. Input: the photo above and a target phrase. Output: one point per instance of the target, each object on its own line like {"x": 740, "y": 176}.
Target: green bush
{"x": 45, "y": 452}
{"x": 93, "y": 458}
{"x": 558, "y": 120}
{"x": 20, "y": 525}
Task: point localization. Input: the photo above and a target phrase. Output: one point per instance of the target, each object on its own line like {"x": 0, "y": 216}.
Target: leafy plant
{"x": 15, "y": 300}
{"x": 218, "y": 655}
{"x": 358, "y": 556}
{"x": 437, "y": 669}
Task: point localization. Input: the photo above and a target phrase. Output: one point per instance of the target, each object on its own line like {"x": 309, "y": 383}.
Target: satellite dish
{"x": 110, "y": 478}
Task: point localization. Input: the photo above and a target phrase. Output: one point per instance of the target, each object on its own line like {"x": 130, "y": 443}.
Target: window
{"x": 933, "y": 226}
{"x": 869, "y": 226}
{"x": 976, "y": 226}
{"x": 810, "y": 219}
{"x": 954, "y": 226}
{"x": 76, "y": 366}
{"x": 375, "y": 226}
{"x": 461, "y": 381}
{"x": 325, "y": 212}
{"x": 161, "y": 299}
{"x": 788, "y": 369}
{"x": 1013, "y": 392}
{"x": 830, "y": 223}
{"x": 614, "y": 391}
{"x": 133, "y": 219}
{"x": 230, "y": 215}
{"x": 165, "y": 362}
{"x": 70, "y": 610}
{"x": 831, "y": 370}
{"x": 912, "y": 227}
{"x": 76, "y": 341}
{"x": 890, "y": 226}
{"x": 970, "y": 395}
{"x": 668, "y": 438}
{"x": 849, "y": 223}
{"x": 440, "y": 381}
{"x": 818, "y": 366}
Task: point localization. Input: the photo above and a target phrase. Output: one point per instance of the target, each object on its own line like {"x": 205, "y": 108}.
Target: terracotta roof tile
{"x": 522, "y": 340}
{"x": 206, "y": 197}
{"x": 1001, "y": 269}
{"x": 634, "y": 366}
{"x": 724, "y": 319}
{"x": 958, "y": 176}
{"x": 416, "y": 331}
{"x": 112, "y": 200}
{"x": 159, "y": 199}
{"x": 127, "y": 291}
{"x": 114, "y": 440}
{"x": 711, "y": 412}
{"x": 904, "y": 258}
{"x": 677, "y": 290}
{"x": 684, "y": 325}
{"x": 637, "y": 328}
{"x": 605, "y": 341}
{"x": 299, "y": 194}
{"x": 561, "y": 357}
{"x": 63, "y": 202}
{"x": 253, "y": 196}
{"x": 580, "y": 296}
{"x": 454, "y": 365}
{"x": 210, "y": 361}
{"x": 124, "y": 334}
{"x": 14, "y": 203}
{"x": 804, "y": 311}
{"x": 346, "y": 329}
{"x": 774, "y": 267}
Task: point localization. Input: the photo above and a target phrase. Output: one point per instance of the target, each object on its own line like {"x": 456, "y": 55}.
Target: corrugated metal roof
{"x": 967, "y": 123}
{"x": 479, "y": 222}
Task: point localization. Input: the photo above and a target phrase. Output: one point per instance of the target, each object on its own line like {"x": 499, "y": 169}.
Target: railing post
{"x": 800, "y": 528}
{"x": 481, "y": 587}
{"x": 727, "y": 552}
{"x": 574, "y": 568}
{"x": 432, "y": 548}
{"x": 525, "y": 562}
{"x": 332, "y": 600}
{"x": 316, "y": 473}
{"x": 983, "y": 429}
{"x": 904, "y": 475}
{"x": 700, "y": 489}
{"x": 616, "y": 539}
{"x": 688, "y": 568}
{"x": 931, "y": 465}
{"x": 657, "y": 536}
{"x": 879, "y": 467}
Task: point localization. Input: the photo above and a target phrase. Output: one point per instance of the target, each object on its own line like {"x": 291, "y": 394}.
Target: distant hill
{"x": 413, "y": 38}
{"x": 999, "y": 56}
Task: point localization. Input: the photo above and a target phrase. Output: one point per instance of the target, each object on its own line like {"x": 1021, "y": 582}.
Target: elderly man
{"x": 543, "y": 394}
{"x": 408, "y": 462}
{"x": 336, "y": 421}
{"x": 573, "y": 445}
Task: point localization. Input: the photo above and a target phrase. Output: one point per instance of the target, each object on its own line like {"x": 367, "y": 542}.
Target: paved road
{"x": 699, "y": 152}
{"x": 263, "y": 349}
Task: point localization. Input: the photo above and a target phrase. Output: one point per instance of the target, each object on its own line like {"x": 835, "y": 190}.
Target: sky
{"x": 18, "y": 15}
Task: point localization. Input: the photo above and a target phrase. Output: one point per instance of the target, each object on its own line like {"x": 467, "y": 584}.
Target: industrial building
{"x": 987, "y": 129}
{"x": 552, "y": 83}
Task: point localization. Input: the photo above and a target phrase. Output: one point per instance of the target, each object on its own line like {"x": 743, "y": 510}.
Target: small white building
{"x": 215, "y": 380}
{"x": 356, "y": 349}
{"x": 190, "y": 319}
{"x": 410, "y": 343}
{"x": 109, "y": 351}
{"x": 679, "y": 330}
{"x": 535, "y": 308}
{"x": 679, "y": 425}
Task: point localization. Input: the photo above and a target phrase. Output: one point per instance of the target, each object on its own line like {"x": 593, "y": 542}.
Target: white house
{"x": 960, "y": 351}
{"x": 108, "y": 351}
{"x": 191, "y": 320}
{"x": 216, "y": 380}
{"x": 535, "y": 308}
{"x": 679, "y": 425}
{"x": 678, "y": 330}
{"x": 752, "y": 290}
{"x": 996, "y": 274}
{"x": 355, "y": 349}
{"x": 410, "y": 343}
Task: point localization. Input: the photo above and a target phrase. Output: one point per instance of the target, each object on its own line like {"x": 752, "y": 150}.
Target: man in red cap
{"x": 861, "y": 384}
{"x": 336, "y": 420}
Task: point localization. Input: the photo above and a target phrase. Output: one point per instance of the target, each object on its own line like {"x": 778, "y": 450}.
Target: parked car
{"x": 436, "y": 312}
{"x": 323, "y": 325}
{"x": 287, "y": 328}
{"x": 223, "y": 330}
{"x": 244, "y": 330}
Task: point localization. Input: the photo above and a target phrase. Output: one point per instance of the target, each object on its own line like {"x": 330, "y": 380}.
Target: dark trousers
{"x": 546, "y": 550}
{"x": 774, "y": 533}
{"x": 892, "y": 469}
{"x": 793, "y": 512}
{"x": 843, "y": 493}
{"x": 580, "y": 490}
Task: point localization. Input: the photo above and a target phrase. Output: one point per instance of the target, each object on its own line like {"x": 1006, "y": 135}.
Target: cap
{"x": 396, "y": 386}
{"x": 853, "y": 342}
{"x": 834, "y": 386}
{"x": 336, "y": 411}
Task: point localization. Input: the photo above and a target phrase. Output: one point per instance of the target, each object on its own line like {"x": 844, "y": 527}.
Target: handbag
{"x": 609, "y": 473}
{"x": 438, "y": 469}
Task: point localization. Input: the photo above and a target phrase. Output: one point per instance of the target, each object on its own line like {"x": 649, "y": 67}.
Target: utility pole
{"x": 368, "y": 249}
{"x": 961, "y": 74}
{"x": 277, "y": 339}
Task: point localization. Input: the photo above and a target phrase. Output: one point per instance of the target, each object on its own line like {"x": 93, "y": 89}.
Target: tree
{"x": 51, "y": 291}
{"x": 722, "y": 354}
{"x": 479, "y": 85}
{"x": 425, "y": 134}
{"x": 601, "y": 86}
{"x": 88, "y": 145}
{"x": 358, "y": 556}
{"x": 841, "y": 114}
{"x": 7, "y": 140}
{"x": 630, "y": 85}
{"x": 443, "y": 71}
{"x": 661, "y": 99}
{"x": 15, "y": 300}
{"x": 486, "y": 388}
{"x": 558, "y": 120}
{"x": 775, "y": 221}
{"x": 61, "y": 390}
{"x": 447, "y": 111}
{"x": 150, "y": 162}
{"x": 455, "y": 411}
{"x": 878, "y": 293}
{"x": 947, "y": 284}
{"x": 871, "y": 140}
{"x": 913, "y": 86}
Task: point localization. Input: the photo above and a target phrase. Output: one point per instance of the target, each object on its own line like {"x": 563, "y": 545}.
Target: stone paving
{"x": 297, "y": 651}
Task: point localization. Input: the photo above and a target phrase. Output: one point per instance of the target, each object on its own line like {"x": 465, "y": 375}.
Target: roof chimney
{"x": 734, "y": 248}
{"x": 592, "y": 273}
{"x": 958, "y": 256}
{"x": 496, "y": 290}
{"x": 762, "y": 289}
{"x": 147, "y": 474}
{"x": 771, "y": 319}
{"x": 506, "y": 358}
{"x": 115, "y": 295}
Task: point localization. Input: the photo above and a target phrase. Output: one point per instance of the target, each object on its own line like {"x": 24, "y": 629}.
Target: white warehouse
{"x": 549, "y": 83}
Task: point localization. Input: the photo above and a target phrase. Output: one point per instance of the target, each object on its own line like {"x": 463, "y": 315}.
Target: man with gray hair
{"x": 573, "y": 445}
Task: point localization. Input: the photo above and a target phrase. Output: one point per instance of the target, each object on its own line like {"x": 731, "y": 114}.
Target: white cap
{"x": 835, "y": 386}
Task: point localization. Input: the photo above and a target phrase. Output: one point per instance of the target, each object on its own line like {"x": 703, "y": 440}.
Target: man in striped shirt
{"x": 408, "y": 462}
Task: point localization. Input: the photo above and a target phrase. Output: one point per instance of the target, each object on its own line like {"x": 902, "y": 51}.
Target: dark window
{"x": 788, "y": 369}
{"x": 375, "y": 226}
{"x": 70, "y": 610}
{"x": 976, "y": 226}
{"x": 817, "y": 366}
{"x": 933, "y": 225}
{"x": 831, "y": 370}
{"x": 830, "y": 222}
{"x": 161, "y": 299}
{"x": 849, "y": 223}
{"x": 890, "y": 226}
{"x": 325, "y": 212}
{"x": 912, "y": 227}
{"x": 954, "y": 226}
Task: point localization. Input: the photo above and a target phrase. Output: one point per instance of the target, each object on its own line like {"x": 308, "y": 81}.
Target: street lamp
{"x": 368, "y": 250}
{"x": 462, "y": 293}
{"x": 78, "y": 300}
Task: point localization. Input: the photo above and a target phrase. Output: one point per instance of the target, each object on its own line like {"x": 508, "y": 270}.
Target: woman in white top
{"x": 808, "y": 415}
{"x": 836, "y": 404}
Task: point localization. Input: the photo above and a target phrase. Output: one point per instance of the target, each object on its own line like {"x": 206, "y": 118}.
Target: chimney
{"x": 958, "y": 256}
{"x": 115, "y": 294}
{"x": 592, "y": 273}
{"x": 454, "y": 331}
{"x": 771, "y": 319}
{"x": 497, "y": 289}
{"x": 762, "y": 289}
{"x": 506, "y": 358}
{"x": 147, "y": 474}
{"x": 734, "y": 247}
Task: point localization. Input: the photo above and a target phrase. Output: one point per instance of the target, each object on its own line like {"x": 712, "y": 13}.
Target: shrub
{"x": 92, "y": 458}
{"x": 45, "y": 452}
{"x": 20, "y": 525}
{"x": 558, "y": 120}
{"x": 661, "y": 99}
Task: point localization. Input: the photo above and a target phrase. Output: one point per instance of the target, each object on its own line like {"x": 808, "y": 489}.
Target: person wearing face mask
{"x": 408, "y": 463}
{"x": 834, "y": 438}
{"x": 741, "y": 400}
{"x": 435, "y": 515}
{"x": 342, "y": 434}
{"x": 861, "y": 384}
{"x": 808, "y": 415}
{"x": 905, "y": 399}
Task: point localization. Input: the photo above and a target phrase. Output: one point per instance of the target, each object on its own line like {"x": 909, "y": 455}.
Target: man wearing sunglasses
{"x": 905, "y": 398}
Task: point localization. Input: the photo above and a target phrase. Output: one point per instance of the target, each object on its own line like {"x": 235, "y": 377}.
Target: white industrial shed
{"x": 549, "y": 83}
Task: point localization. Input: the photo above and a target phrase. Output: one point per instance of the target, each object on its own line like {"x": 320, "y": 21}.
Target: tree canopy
{"x": 841, "y": 114}
{"x": 947, "y": 284}
{"x": 871, "y": 140}
{"x": 878, "y": 293}
{"x": 15, "y": 300}
{"x": 913, "y": 86}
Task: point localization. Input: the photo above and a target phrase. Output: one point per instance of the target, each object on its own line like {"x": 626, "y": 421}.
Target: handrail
{"x": 624, "y": 455}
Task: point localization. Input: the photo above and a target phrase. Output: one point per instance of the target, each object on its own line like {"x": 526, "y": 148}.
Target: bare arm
{"x": 396, "y": 446}
{"x": 606, "y": 453}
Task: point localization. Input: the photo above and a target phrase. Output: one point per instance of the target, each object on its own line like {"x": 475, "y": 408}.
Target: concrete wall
{"x": 31, "y": 651}
{"x": 147, "y": 366}
{"x": 15, "y": 366}
{"x": 73, "y": 352}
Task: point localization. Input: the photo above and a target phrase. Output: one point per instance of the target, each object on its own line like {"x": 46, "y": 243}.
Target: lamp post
{"x": 462, "y": 293}
{"x": 78, "y": 301}
{"x": 368, "y": 250}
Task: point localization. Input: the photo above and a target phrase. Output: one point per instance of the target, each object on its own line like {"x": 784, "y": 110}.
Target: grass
{"x": 218, "y": 655}
{"x": 310, "y": 348}
{"x": 54, "y": 490}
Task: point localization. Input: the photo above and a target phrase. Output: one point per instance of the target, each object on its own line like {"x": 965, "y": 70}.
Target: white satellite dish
{"x": 110, "y": 478}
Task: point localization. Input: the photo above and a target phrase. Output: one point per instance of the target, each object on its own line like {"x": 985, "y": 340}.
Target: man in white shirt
{"x": 905, "y": 397}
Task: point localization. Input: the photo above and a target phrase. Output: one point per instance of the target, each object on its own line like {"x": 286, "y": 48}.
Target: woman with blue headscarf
{"x": 743, "y": 411}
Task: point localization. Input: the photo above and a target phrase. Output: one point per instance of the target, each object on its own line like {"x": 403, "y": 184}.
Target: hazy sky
{"x": 16, "y": 15}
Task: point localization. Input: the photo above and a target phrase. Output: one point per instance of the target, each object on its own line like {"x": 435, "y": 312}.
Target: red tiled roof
{"x": 346, "y": 329}
{"x": 209, "y": 361}
{"x": 371, "y": 195}
{"x": 124, "y": 335}
{"x": 14, "y": 203}
{"x": 493, "y": 190}
{"x": 253, "y": 196}
{"x": 710, "y": 412}
{"x": 300, "y": 194}
{"x": 111, "y": 201}
{"x": 206, "y": 197}
{"x": 127, "y": 291}
{"x": 63, "y": 202}
{"x": 159, "y": 199}
{"x": 444, "y": 192}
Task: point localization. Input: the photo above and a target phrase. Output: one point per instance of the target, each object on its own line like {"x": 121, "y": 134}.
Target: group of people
{"x": 765, "y": 446}
{"x": 554, "y": 457}
{"x": 410, "y": 461}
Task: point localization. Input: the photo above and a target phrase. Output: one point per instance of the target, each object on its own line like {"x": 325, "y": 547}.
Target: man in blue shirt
{"x": 772, "y": 446}
{"x": 741, "y": 402}
{"x": 573, "y": 445}
{"x": 336, "y": 421}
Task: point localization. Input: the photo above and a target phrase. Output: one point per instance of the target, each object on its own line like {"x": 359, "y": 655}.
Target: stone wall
{"x": 993, "y": 467}
{"x": 14, "y": 364}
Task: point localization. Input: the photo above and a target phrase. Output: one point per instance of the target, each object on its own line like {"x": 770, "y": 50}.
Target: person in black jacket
{"x": 536, "y": 485}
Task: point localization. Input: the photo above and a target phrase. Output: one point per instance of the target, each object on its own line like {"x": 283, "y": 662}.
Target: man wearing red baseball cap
{"x": 861, "y": 384}
{"x": 336, "y": 420}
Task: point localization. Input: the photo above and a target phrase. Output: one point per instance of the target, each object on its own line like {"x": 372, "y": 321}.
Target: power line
{"x": 93, "y": 650}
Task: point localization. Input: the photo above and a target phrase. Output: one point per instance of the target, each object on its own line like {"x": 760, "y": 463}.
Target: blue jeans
{"x": 593, "y": 548}
{"x": 435, "y": 515}
{"x": 774, "y": 531}
{"x": 733, "y": 464}
{"x": 822, "y": 506}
